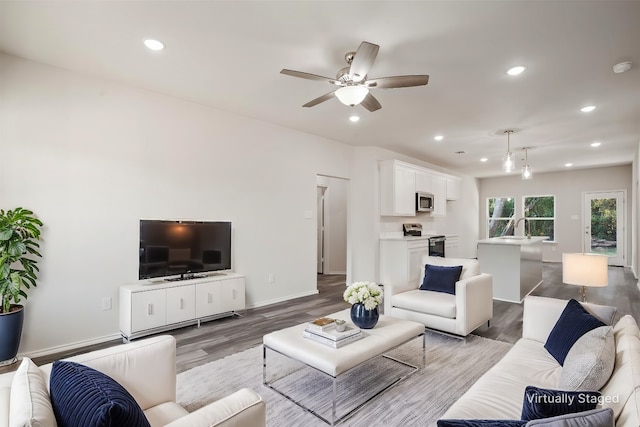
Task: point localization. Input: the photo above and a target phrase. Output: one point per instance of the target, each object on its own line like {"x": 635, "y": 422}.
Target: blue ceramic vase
{"x": 363, "y": 318}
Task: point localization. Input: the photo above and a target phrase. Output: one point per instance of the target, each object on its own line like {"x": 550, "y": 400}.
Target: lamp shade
{"x": 585, "y": 269}
{"x": 352, "y": 95}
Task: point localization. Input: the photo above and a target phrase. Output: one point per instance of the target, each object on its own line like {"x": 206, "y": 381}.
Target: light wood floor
{"x": 220, "y": 338}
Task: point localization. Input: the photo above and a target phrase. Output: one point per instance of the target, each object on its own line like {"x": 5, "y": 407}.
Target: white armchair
{"x": 459, "y": 314}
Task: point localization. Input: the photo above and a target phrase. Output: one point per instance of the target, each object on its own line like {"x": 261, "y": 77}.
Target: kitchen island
{"x": 515, "y": 263}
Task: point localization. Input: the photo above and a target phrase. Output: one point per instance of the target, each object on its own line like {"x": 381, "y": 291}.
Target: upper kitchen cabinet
{"x": 397, "y": 188}
{"x": 399, "y": 182}
{"x": 453, "y": 188}
{"x": 439, "y": 195}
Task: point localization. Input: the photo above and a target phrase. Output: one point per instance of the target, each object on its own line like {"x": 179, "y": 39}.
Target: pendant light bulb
{"x": 527, "y": 173}
{"x": 508, "y": 161}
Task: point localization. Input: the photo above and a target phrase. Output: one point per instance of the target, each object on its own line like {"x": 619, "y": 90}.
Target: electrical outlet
{"x": 106, "y": 303}
{"x": 272, "y": 277}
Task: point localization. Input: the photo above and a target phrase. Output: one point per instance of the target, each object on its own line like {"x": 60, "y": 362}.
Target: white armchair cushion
{"x": 30, "y": 405}
{"x": 163, "y": 414}
{"x": 428, "y": 302}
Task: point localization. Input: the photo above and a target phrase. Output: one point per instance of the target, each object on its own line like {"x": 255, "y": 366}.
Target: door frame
{"x": 621, "y": 259}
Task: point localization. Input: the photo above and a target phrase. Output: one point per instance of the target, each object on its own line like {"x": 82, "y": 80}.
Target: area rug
{"x": 452, "y": 366}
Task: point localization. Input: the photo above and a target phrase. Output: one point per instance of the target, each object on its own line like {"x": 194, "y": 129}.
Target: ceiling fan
{"x": 354, "y": 86}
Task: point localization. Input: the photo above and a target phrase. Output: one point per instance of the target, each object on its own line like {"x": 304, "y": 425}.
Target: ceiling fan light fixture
{"x": 352, "y": 95}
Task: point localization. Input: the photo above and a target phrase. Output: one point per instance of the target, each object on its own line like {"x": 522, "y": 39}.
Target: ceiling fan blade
{"x": 398, "y": 81}
{"x": 320, "y": 99}
{"x": 371, "y": 103}
{"x": 363, "y": 60}
{"x": 307, "y": 76}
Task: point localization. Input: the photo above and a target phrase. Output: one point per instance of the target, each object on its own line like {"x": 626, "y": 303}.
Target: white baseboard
{"x": 71, "y": 346}
{"x": 282, "y": 299}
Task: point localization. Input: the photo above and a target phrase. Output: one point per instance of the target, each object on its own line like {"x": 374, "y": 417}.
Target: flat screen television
{"x": 183, "y": 248}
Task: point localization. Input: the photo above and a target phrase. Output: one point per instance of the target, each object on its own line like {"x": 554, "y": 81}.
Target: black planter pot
{"x": 10, "y": 333}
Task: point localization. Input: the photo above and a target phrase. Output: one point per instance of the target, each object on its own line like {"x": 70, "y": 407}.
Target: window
{"x": 500, "y": 216}
{"x": 540, "y": 212}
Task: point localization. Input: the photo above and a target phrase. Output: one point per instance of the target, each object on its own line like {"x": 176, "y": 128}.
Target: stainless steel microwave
{"x": 424, "y": 202}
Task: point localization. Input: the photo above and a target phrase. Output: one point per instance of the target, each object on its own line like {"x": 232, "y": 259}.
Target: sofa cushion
{"x": 481, "y": 423}
{"x": 589, "y": 363}
{"x": 82, "y": 396}
{"x": 626, "y": 326}
{"x": 544, "y": 403}
{"x": 439, "y": 278}
{"x": 429, "y": 302}
{"x": 625, "y": 380}
{"x": 574, "y": 322}
{"x": 592, "y": 418}
{"x": 30, "y": 405}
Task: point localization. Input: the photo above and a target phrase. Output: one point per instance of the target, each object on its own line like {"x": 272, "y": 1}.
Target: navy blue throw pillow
{"x": 84, "y": 397}
{"x": 481, "y": 423}
{"x": 543, "y": 403}
{"x": 440, "y": 278}
{"x": 573, "y": 323}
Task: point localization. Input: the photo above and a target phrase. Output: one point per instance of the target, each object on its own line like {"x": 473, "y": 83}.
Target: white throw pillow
{"x": 30, "y": 405}
{"x": 590, "y": 361}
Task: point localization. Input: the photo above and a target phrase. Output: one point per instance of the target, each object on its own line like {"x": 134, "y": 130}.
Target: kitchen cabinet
{"x": 451, "y": 249}
{"x": 439, "y": 196}
{"x": 148, "y": 307}
{"x": 423, "y": 182}
{"x": 453, "y": 188}
{"x": 401, "y": 259}
{"x": 397, "y": 189}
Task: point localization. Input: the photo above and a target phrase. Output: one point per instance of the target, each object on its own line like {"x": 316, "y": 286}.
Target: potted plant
{"x": 364, "y": 298}
{"x": 19, "y": 235}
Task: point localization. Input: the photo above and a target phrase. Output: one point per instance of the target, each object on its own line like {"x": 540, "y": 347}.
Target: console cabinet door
{"x": 209, "y": 299}
{"x": 148, "y": 310}
{"x": 181, "y": 304}
{"x": 233, "y": 294}
{"x": 417, "y": 250}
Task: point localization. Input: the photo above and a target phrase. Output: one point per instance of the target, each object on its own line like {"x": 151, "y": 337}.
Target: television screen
{"x": 171, "y": 248}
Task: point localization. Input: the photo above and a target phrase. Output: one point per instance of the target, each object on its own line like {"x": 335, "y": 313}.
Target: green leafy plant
{"x": 19, "y": 233}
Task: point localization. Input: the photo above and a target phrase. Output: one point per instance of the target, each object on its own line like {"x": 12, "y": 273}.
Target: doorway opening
{"x": 604, "y": 225}
{"x": 332, "y": 229}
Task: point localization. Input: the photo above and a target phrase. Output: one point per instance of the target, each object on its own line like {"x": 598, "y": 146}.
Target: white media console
{"x": 152, "y": 306}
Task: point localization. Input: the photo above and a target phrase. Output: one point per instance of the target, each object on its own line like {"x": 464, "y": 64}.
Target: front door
{"x": 604, "y": 225}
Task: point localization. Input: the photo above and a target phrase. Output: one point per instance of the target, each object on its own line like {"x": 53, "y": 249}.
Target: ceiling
{"x": 228, "y": 55}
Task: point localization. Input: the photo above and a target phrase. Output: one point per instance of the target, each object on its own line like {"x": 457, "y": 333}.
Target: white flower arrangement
{"x": 367, "y": 293}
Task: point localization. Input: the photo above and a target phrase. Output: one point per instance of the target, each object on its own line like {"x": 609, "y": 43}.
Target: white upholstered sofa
{"x": 498, "y": 394}
{"x": 147, "y": 370}
{"x": 459, "y": 314}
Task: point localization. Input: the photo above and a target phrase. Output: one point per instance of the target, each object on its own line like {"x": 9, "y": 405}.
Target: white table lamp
{"x": 585, "y": 270}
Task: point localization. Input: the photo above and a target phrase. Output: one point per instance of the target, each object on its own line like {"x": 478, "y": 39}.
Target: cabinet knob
{"x": 149, "y": 309}
{"x": 234, "y": 294}
{"x": 181, "y": 303}
{"x": 209, "y": 298}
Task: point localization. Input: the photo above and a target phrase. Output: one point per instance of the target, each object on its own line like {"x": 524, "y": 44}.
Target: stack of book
{"x": 324, "y": 332}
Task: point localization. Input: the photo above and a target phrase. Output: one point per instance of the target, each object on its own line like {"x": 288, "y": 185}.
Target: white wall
{"x": 92, "y": 157}
{"x": 568, "y": 187}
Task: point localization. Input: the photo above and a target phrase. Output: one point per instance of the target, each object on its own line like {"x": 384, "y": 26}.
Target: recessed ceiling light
{"x": 568, "y": 164}
{"x": 354, "y": 118}
{"x": 153, "y": 44}
{"x": 622, "y": 67}
{"x": 438, "y": 137}
{"x": 484, "y": 159}
{"x": 588, "y": 108}
{"x": 596, "y": 144}
{"x": 515, "y": 70}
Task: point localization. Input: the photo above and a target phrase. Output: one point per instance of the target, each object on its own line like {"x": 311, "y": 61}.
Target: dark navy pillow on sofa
{"x": 83, "y": 397}
{"x": 544, "y": 403}
{"x": 481, "y": 423}
{"x": 441, "y": 278}
{"x": 573, "y": 323}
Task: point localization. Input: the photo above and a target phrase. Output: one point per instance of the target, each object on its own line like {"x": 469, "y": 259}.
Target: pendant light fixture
{"x": 527, "y": 173}
{"x": 508, "y": 161}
